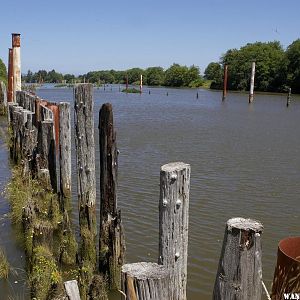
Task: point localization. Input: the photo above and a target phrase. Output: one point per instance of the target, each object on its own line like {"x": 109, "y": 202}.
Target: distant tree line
{"x": 3, "y": 73}
{"x": 175, "y": 76}
{"x": 276, "y": 68}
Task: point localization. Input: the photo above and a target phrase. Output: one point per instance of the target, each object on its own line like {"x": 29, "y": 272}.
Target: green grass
{"x": 4, "y": 265}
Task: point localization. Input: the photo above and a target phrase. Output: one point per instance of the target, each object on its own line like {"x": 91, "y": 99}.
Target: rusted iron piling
{"x": 251, "y": 92}
{"x": 239, "y": 274}
{"x": 225, "y": 82}
{"x": 16, "y": 46}
{"x": 287, "y": 271}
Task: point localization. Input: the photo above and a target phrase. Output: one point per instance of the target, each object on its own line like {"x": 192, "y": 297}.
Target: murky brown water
{"x": 245, "y": 161}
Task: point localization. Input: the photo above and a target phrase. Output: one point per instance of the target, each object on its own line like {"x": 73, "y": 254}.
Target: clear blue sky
{"x": 79, "y": 36}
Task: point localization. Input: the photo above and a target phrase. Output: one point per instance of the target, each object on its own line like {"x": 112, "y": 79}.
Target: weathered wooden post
{"x": 251, "y": 93}
{"x": 239, "y": 274}
{"x": 16, "y": 43}
{"x": 10, "y": 75}
{"x": 111, "y": 239}
{"x": 85, "y": 161}
{"x": 225, "y": 82}
{"x": 288, "y": 100}
{"x": 65, "y": 150}
{"x": 46, "y": 158}
{"x": 173, "y": 224}
{"x": 145, "y": 281}
{"x": 3, "y": 98}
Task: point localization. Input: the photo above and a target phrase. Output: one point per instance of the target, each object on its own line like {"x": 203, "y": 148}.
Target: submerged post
{"x": 239, "y": 274}
{"x": 288, "y": 100}
{"x": 16, "y": 43}
{"x": 65, "y": 149}
{"x": 85, "y": 162}
{"x": 145, "y": 281}
{"x": 173, "y": 224}
{"x": 251, "y": 93}
{"x": 225, "y": 82}
{"x": 111, "y": 239}
{"x": 10, "y": 75}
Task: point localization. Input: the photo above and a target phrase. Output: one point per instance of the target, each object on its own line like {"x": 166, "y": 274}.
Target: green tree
{"x": 213, "y": 72}
{"x": 3, "y": 73}
{"x": 134, "y": 75}
{"x": 293, "y": 66}
{"x": 69, "y": 78}
{"x": 155, "y": 76}
{"x": 176, "y": 75}
{"x": 271, "y": 66}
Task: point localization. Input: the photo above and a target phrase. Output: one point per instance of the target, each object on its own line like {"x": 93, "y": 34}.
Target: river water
{"x": 245, "y": 161}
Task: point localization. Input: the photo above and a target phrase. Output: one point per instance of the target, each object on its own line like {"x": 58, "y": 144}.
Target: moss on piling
{"x": 4, "y": 265}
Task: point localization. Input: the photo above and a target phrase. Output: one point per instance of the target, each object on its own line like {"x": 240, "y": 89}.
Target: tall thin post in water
{"x": 126, "y": 83}
{"x": 251, "y": 93}
{"x": 10, "y": 90}
{"x": 141, "y": 84}
{"x": 225, "y": 82}
{"x": 111, "y": 237}
{"x": 288, "y": 100}
{"x": 16, "y": 43}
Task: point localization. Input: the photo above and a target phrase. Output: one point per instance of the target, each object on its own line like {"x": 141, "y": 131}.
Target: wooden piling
{"x": 197, "y": 96}
{"x": 239, "y": 274}
{"x": 225, "y": 82}
{"x": 10, "y": 75}
{"x": 85, "y": 161}
{"x": 288, "y": 100}
{"x": 65, "y": 150}
{"x": 46, "y": 158}
{"x": 145, "y": 281}
{"x": 3, "y": 98}
{"x": 251, "y": 93}
{"x": 126, "y": 83}
{"x": 111, "y": 239}
{"x": 141, "y": 84}
{"x": 173, "y": 224}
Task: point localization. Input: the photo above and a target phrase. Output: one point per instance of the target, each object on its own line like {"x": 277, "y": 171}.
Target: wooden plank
{"x": 65, "y": 149}
{"x": 111, "y": 238}
{"x": 145, "y": 281}
{"x": 72, "y": 290}
{"x": 240, "y": 268}
{"x": 173, "y": 224}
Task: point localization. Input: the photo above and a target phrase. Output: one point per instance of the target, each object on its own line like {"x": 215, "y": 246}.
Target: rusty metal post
{"x": 126, "y": 83}
{"x": 287, "y": 271}
{"x": 251, "y": 94}
{"x": 225, "y": 82}
{"x": 10, "y": 76}
{"x": 141, "y": 84}
{"x": 16, "y": 63}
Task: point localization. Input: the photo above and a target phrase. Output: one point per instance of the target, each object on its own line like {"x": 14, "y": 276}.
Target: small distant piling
{"x": 251, "y": 93}
{"x": 239, "y": 274}
{"x": 225, "y": 82}
{"x": 141, "y": 84}
{"x": 126, "y": 83}
{"x": 197, "y": 95}
{"x": 288, "y": 100}
{"x": 173, "y": 224}
{"x": 167, "y": 94}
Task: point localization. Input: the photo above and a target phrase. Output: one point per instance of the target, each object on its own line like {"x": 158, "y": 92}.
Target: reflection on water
{"x": 244, "y": 158}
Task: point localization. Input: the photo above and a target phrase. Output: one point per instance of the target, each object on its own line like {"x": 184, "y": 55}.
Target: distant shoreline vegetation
{"x": 277, "y": 69}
